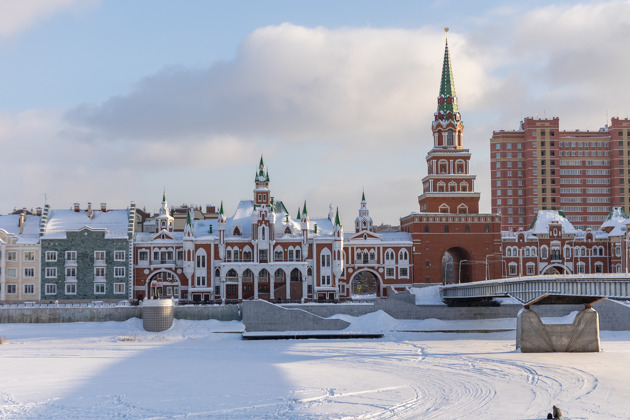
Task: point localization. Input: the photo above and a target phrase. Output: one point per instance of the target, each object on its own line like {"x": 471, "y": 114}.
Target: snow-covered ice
{"x": 203, "y": 369}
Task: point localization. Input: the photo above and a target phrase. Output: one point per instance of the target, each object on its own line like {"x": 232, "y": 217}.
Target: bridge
{"x": 532, "y": 335}
{"x": 542, "y": 290}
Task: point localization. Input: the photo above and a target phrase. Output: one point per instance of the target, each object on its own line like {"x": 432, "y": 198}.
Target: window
{"x": 119, "y": 255}
{"x": 403, "y": 272}
{"x": 512, "y": 269}
{"x": 12, "y": 272}
{"x": 50, "y": 289}
{"x": 278, "y": 255}
{"x": 51, "y": 256}
{"x": 326, "y": 281}
{"x": 11, "y": 289}
{"x": 71, "y": 273}
{"x": 201, "y": 281}
{"x": 143, "y": 256}
{"x": 99, "y": 272}
{"x": 29, "y": 272}
{"x": 543, "y": 252}
{"x": 325, "y": 260}
{"x": 29, "y": 256}
{"x": 390, "y": 272}
{"x": 119, "y": 271}
{"x": 51, "y": 272}
{"x": 119, "y": 288}
{"x": 71, "y": 288}
{"x": 29, "y": 289}
{"x": 530, "y": 269}
{"x": 99, "y": 288}
{"x": 201, "y": 259}
{"x": 99, "y": 256}
{"x": 71, "y": 256}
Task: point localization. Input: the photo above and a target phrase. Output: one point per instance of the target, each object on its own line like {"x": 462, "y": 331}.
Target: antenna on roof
{"x": 45, "y": 198}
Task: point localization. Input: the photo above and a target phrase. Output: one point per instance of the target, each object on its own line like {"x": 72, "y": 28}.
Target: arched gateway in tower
{"x": 452, "y": 241}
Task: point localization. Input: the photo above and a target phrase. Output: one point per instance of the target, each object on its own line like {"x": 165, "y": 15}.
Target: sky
{"x": 116, "y": 101}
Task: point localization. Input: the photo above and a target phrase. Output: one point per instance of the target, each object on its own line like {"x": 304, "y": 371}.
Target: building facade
{"x": 19, "y": 256}
{"x": 86, "y": 254}
{"x": 581, "y": 173}
{"x": 554, "y": 246}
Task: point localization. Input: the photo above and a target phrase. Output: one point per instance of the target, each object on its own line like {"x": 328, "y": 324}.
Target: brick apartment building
{"x": 539, "y": 167}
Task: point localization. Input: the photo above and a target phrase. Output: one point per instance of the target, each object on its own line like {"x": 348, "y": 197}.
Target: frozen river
{"x": 198, "y": 369}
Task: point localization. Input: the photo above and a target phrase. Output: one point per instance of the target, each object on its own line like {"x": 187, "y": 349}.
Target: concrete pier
{"x": 532, "y": 336}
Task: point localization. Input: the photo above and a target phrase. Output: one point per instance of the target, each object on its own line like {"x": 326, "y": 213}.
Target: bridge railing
{"x": 529, "y": 289}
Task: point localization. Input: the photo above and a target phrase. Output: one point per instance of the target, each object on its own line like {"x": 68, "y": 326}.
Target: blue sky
{"x": 112, "y": 101}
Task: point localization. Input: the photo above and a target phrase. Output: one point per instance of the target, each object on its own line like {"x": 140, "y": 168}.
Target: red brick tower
{"x": 448, "y": 187}
{"x": 452, "y": 242}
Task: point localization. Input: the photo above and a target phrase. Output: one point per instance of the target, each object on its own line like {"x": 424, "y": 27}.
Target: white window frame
{"x": 117, "y": 255}
{"x": 29, "y": 272}
{"x": 71, "y": 256}
{"x": 119, "y": 272}
{"x": 119, "y": 288}
{"x": 11, "y": 289}
{"x": 11, "y": 255}
{"x": 69, "y": 286}
{"x": 28, "y": 254}
{"x": 51, "y": 272}
{"x": 97, "y": 288}
{"x": 97, "y": 270}
{"x": 98, "y": 255}
{"x": 29, "y": 289}
{"x": 51, "y": 256}
{"x": 50, "y": 289}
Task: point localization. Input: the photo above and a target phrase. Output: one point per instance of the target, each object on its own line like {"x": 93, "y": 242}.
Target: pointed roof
{"x": 299, "y": 215}
{"x": 363, "y": 196}
{"x": 447, "y": 85}
{"x": 221, "y": 209}
{"x": 189, "y": 218}
{"x": 164, "y": 197}
{"x": 337, "y": 220}
{"x": 304, "y": 211}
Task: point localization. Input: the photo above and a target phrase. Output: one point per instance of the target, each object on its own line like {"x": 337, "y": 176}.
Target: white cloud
{"x": 18, "y": 15}
{"x": 333, "y": 110}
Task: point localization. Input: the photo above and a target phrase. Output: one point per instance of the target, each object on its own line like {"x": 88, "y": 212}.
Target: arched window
{"x": 372, "y": 256}
{"x": 533, "y": 248}
{"x": 544, "y": 252}
{"x": 298, "y": 254}
{"x": 449, "y": 138}
{"x": 201, "y": 258}
{"x": 567, "y": 252}
{"x": 508, "y": 251}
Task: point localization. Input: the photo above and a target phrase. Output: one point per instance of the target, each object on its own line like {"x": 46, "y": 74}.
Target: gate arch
{"x": 366, "y": 284}
{"x": 159, "y": 287}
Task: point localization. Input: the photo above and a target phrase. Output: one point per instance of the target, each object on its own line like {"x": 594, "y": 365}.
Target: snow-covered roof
{"x": 30, "y": 234}
{"x": 616, "y": 222}
{"x": 148, "y": 237}
{"x": 114, "y": 222}
{"x": 541, "y": 222}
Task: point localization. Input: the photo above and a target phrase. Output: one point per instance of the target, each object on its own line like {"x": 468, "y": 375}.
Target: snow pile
{"x": 429, "y": 295}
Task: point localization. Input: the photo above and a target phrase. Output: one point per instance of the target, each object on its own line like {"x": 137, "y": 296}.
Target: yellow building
{"x": 20, "y": 257}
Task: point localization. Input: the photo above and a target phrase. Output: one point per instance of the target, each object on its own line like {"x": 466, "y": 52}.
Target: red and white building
{"x": 261, "y": 252}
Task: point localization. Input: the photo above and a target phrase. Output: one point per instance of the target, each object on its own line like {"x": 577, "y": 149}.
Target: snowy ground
{"x": 116, "y": 369}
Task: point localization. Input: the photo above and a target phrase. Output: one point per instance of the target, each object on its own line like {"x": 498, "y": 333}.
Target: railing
{"x": 528, "y": 290}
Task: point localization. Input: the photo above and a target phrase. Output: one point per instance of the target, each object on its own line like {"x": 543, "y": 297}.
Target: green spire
{"x": 447, "y": 100}
{"x": 363, "y": 196}
{"x": 304, "y": 211}
{"x": 164, "y": 197}
{"x": 262, "y": 163}
{"x": 337, "y": 220}
{"x": 189, "y": 218}
{"x": 221, "y": 209}
{"x": 299, "y": 216}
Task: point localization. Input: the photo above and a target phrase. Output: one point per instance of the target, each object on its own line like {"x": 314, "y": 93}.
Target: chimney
{"x": 21, "y": 221}
{"x": 77, "y": 207}
{"x": 89, "y": 210}
{"x": 103, "y": 207}
{"x": 38, "y": 211}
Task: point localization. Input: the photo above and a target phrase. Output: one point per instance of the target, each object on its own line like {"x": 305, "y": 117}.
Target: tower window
{"x": 449, "y": 138}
